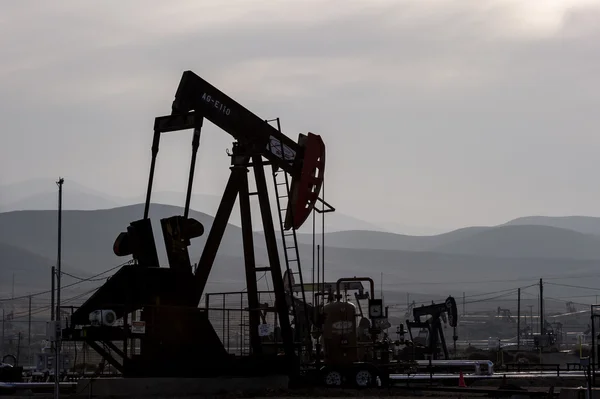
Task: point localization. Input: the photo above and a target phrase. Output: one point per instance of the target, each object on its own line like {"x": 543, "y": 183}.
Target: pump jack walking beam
{"x": 304, "y": 160}
{"x": 196, "y": 94}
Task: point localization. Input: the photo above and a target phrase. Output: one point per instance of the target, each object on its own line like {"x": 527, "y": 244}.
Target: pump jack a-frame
{"x": 179, "y": 339}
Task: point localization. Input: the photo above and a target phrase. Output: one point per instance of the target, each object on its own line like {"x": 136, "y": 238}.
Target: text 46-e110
{"x": 216, "y": 103}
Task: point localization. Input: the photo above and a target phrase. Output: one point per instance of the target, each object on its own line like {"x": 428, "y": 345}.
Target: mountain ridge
{"x": 30, "y": 270}
{"x": 512, "y": 240}
{"x": 88, "y": 236}
{"x": 582, "y": 224}
{"x": 40, "y": 194}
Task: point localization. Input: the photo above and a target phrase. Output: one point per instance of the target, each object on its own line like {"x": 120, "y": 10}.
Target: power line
{"x": 504, "y": 293}
{"x": 501, "y": 291}
{"x": 577, "y": 296}
{"x": 68, "y": 285}
{"x": 83, "y": 279}
{"x": 562, "y": 300}
{"x": 41, "y": 309}
{"x": 493, "y": 298}
{"x": 573, "y": 276}
{"x": 457, "y": 282}
{"x": 575, "y": 286}
{"x": 547, "y": 277}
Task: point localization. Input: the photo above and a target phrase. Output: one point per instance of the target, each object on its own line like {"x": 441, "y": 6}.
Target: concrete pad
{"x": 577, "y": 393}
{"x": 145, "y": 387}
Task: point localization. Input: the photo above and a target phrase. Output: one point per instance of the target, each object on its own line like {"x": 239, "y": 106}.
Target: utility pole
{"x": 58, "y": 328}
{"x": 52, "y": 288}
{"x": 58, "y": 261}
{"x": 29, "y": 334}
{"x": 541, "y": 308}
{"x": 530, "y": 319}
{"x": 519, "y": 320}
{"x": 537, "y": 325}
{"x": 464, "y": 311}
{"x": 18, "y": 348}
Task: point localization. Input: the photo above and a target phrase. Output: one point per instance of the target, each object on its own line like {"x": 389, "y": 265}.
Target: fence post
{"x": 228, "y": 337}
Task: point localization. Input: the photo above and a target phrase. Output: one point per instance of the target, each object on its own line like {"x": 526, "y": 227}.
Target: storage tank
{"x": 339, "y": 333}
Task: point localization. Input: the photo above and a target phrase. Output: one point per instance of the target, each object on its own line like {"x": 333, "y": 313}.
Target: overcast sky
{"x": 434, "y": 113}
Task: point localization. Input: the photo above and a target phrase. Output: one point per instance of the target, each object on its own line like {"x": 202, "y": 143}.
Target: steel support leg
{"x": 195, "y": 146}
{"x": 155, "y": 143}
{"x": 271, "y": 242}
{"x": 250, "y": 263}
{"x": 217, "y": 230}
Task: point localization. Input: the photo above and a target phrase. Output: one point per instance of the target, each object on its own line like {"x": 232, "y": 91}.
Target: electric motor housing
{"x": 103, "y": 317}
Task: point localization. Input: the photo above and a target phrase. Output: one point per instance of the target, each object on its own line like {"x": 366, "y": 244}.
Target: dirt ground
{"x": 367, "y": 394}
{"x": 425, "y": 395}
{"x": 395, "y": 392}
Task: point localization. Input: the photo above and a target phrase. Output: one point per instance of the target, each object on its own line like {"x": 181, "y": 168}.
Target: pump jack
{"x": 433, "y": 325}
{"x": 179, "y": 339}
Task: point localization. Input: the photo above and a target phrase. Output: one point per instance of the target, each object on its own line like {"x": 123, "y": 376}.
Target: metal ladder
{"x": 245, "y": 336}
{"x": 288, "y": 238}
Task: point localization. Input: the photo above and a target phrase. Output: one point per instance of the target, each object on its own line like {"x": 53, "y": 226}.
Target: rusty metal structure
{"x": 173, "y": 335}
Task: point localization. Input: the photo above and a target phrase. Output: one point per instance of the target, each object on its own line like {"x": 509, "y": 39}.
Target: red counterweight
{"x": 306, "y": 188}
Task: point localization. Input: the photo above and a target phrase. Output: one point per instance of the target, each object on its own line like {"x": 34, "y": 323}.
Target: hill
{"x": 31, "y": 272}
{"x": 390, "y": 241}
{"x": 42, "y": 194}
{"x": 88, "y": 236}
{"x": 209, "y": 204}
{"x": 518, "y": 241}
{"x": 526, "y": 242}
{"x": 480, "y": 259}
{"x": 401, "y": 228}
{"x": 581, "y": 224}
{"x": 431, "y": 271}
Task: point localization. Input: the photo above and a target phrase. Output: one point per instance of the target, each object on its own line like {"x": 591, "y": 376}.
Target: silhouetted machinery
{"x": 432, "y": 338}
{"x": 550, "y": 338}
{"x": 356, "y": 348}
{"x": 505, "y": 314}
{"x": 173, "y": 336}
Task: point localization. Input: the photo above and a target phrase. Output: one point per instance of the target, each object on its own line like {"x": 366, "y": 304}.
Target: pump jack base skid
{"x": 182, "y": 342}
{"x": 177, "y": 387}
{"x": 190, "y": 362}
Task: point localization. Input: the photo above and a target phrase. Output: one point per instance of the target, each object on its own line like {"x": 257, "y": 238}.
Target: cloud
{"x": 456, "y": 102}
{"x": 432, "y": 45}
